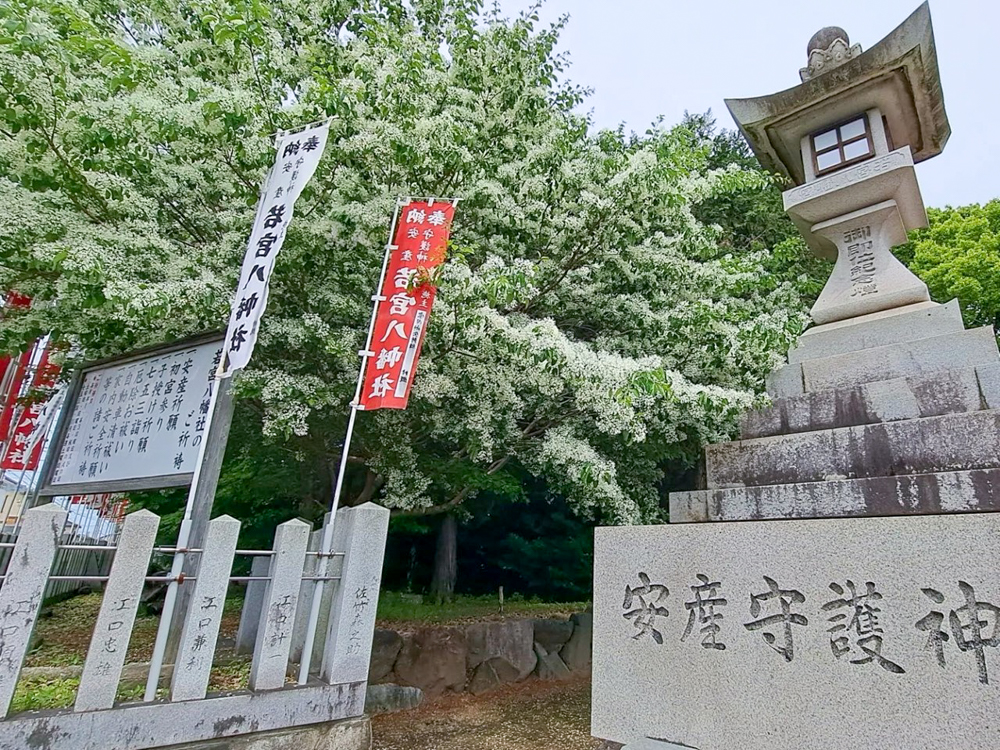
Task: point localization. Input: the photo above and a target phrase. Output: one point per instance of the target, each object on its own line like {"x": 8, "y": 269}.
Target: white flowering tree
{"x": 589, "y": 330}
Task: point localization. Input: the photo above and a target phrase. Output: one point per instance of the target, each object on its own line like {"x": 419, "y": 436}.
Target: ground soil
{"x": 531, "y": 715}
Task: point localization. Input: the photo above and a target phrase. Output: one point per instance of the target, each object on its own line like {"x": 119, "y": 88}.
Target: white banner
{"x": 297, "y": 157}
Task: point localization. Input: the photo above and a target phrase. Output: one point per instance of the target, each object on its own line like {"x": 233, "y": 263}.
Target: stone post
{"x": 253, "y": 602}
{"x": 196, "y": 648}
{"x": 22, "y": 591}
{"x": 113, "y": 630}
{"x": 274, "y": 634}
{"x": 352, "y": 616}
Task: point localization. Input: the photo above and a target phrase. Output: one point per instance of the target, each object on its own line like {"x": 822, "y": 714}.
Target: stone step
{"x": 942, "y": 392}
{"x": 953, "y": 442}
{"x": 977, "y": 490}
{"x": 976, "y": 346}
{"x": 902, "y": 324}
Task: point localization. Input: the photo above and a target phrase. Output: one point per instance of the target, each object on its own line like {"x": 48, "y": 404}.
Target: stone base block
{"x": 867, "y": 278}
{"x": 348, "y": 734}
{"x": 944, "y": 392}
{"x": 388, "y": 698}
{"x": 971, "y": 348}
{"x": 651, "y": 744}
{"x": 896, "y": 326}
{"x": 786, "y": 381}
{"x": 953, "y": 442}
{"x": 976, "y": 346}
{"x": 914, "y": 494}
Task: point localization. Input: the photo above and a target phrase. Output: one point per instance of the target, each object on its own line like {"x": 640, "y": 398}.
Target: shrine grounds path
{"x": 531, "y": 715}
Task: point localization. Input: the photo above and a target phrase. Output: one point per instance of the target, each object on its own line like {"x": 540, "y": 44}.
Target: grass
{"x": 395, "y": 608}
{"x": 64, "y": 628}
{"x": 34, "y": 694}
{"x": 62, "y": 635}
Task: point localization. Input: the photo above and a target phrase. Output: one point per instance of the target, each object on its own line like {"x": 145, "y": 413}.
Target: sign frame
{"x": 163, "y": 481}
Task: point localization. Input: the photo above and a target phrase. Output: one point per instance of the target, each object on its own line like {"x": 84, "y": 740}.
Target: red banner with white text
{"x": 25, "y": 446}
{"x": 13, "y": 370}
{"x": 420, "y": 245}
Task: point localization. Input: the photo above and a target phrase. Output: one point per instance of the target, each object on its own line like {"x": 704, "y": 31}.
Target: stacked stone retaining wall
{"x": 483, "y": 656}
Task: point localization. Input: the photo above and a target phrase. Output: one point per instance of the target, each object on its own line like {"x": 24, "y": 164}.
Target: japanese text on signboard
{"x": 144, "y": 418}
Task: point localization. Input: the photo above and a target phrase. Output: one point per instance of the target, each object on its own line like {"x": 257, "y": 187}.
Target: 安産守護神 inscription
{"x": 861, "y": 257}
{"x": 851, "y": 614}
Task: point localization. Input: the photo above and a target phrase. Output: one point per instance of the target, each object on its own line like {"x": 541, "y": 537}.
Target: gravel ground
{"x": 531, "y": 715}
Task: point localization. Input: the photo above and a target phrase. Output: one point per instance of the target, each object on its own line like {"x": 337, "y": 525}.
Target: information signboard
{"x": 135, "y": 422}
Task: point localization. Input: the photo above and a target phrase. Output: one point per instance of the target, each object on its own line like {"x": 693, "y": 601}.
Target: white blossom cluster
{"x": 588, "y": 329}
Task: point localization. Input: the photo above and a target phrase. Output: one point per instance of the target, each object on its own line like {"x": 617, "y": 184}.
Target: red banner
{"x": 20, "y": 453}
{"x": 12, "y": 380}
{"x": 14, "y": 389}
{"x": 405, "y": 308}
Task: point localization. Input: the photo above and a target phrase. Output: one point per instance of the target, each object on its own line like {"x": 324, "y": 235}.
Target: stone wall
{"x": 482, "y": 656}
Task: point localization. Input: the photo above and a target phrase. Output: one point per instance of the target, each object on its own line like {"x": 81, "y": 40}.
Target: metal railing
{"x": 274, "y": 624}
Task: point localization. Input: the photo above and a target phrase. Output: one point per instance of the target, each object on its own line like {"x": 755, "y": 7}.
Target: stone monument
{"x": 857, "y": 604}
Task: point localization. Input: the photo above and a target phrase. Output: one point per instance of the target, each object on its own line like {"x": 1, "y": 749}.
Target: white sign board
{"x": 139, "y": 419}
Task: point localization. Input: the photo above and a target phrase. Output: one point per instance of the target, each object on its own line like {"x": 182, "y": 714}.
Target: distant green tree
{"x": 958, "y": 255}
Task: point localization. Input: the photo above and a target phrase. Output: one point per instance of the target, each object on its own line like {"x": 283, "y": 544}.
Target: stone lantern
{"x": 887, "y": 404}
{"x": 869, "y": 488}
{"x": 848, "y": 137}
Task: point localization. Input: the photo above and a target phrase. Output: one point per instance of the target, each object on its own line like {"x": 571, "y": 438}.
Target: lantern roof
{"x": 898, "y": 76}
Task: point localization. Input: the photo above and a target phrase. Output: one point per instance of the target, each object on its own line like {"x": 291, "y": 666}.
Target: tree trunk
{"x": 445, "y": 561}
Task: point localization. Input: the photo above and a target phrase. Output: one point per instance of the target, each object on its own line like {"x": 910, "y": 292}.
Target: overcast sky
{"x": 644, "y": 58}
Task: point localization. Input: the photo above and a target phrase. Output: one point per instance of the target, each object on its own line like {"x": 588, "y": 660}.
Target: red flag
{"x": 10, "y": 402}
{"x": 403, "y": 314}
{"x": 13, "y": 299}
{"x": 17, "y": 455}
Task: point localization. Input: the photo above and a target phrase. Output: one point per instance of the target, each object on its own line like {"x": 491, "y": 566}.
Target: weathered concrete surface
{"x": 953, "y": 442}
{"x": 946, "y": 492}
{"x": 942, "y": 392}
{"x": 385, "y": 699}
{"x": 138, "y": 726}
{"x": 896, "y": 326}
{"x": 783, "y": 682}
{"x": 648, "y": 743}
{"x": 22, "y": 590}
{"x": 510, "y": 640}
{"x": 970, "y": 348}
{"x": 347, "y": 734}
{"x": 785, "y": 381}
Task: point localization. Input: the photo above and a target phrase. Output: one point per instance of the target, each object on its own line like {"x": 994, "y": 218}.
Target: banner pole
{"x": 184, "y": 532}
{"x": 324, "y": 551}
{"x": 183, "y": 535}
